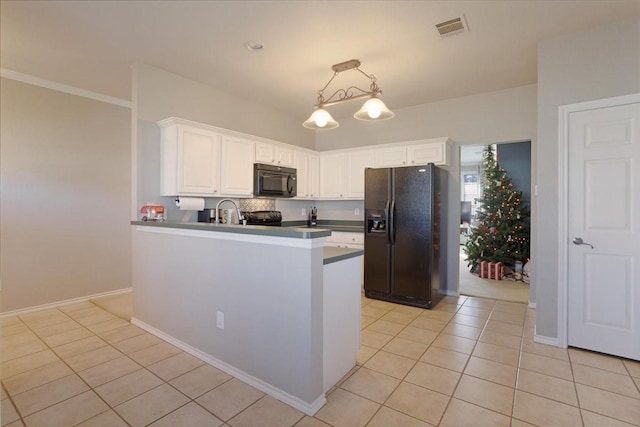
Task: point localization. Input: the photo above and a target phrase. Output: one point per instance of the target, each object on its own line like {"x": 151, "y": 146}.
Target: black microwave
{"x": 274, "y": 181}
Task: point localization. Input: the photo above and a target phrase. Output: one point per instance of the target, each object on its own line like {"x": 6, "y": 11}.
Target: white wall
{"x": 65, "y": 192}
{"x": 599, "y": 63}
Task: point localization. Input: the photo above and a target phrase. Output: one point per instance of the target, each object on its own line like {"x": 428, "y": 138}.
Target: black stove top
{"x": 272, "y": 218}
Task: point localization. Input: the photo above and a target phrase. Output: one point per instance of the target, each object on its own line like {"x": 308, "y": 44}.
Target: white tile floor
{"x": 471, "y": 361}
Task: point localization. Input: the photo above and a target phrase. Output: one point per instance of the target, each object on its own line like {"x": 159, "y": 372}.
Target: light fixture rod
{"x": 347, "y": 94}
{"x": 348, "y": 97}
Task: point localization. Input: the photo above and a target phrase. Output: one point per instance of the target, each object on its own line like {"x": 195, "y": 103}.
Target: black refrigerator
{"x": 405, "y": 235}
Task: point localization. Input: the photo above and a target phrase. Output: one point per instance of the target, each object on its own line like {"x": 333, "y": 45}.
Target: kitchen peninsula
{"x": 272, "y": 306}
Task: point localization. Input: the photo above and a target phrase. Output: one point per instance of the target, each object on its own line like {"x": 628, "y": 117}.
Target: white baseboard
{"x": 305, "y": 407}
{"x": 451, "y": 293}
{"x": 546, "y": 340}
{"x": 59, "y": 303}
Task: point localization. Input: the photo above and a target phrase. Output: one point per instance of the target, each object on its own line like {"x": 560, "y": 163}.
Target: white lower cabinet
{"x": 349, "y": 240}
{"x": 346, "y": 240}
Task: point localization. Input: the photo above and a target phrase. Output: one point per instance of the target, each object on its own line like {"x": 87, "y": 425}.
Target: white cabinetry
{"x": 190, "y": 160}
{"x": 349, "y": 240}
{"x": 274, "y": 154}
{"x": 314, "y": 176}
{"x": 414, "y": 154}
{"x": 237, "y": 166}
{"x": 356, "y": 163}
{"x": 421, "y": 154}
{"x": 391, "y": 157}
{"x": 333, "y": 169}
{"x": 346, "y": 240}
{"x": 307, "y": 167}
{"x": 342, "y": 174}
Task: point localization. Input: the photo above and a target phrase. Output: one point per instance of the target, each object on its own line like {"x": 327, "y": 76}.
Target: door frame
{"x": 564, "y": 111}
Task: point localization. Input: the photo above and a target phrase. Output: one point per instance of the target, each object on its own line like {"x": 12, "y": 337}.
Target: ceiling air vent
{"x": 451, "y": 27}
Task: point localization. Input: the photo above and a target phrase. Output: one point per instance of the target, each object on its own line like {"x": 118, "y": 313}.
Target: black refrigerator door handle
{"x": 386, "y": 221}
{"x": 392, "y": 223}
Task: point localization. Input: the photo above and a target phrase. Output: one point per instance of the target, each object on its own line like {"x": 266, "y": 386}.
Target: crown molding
{"x": 48, "y": 84}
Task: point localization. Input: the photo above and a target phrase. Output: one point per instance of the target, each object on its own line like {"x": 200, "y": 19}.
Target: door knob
{"x": 578, "y": 241}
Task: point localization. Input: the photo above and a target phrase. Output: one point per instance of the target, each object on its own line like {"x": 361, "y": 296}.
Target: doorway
{"x": 515, "y": 159}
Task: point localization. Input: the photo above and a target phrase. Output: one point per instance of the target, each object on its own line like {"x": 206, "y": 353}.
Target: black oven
{"x": 274, "y": 181}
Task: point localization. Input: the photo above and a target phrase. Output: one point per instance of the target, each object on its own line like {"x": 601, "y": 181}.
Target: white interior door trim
{"x": 563, "y": 200}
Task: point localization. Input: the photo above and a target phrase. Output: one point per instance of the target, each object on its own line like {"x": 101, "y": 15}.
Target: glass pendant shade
{"x": 373, "y": 109}
{"x": 320, "y": 119}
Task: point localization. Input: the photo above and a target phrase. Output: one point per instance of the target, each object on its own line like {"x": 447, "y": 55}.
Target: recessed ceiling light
{"x": 254, "y": 46}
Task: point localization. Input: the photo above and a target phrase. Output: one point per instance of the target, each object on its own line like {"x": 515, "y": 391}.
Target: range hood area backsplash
{"x": 252, "y": 205}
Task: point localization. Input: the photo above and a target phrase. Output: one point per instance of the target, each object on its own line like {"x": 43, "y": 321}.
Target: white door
{"x": 603, "y": 295}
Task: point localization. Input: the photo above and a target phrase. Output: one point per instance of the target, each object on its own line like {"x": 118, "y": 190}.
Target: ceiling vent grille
{"x": 451, "y": 27}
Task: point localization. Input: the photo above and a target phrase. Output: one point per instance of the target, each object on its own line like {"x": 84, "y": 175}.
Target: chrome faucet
{"x": 235, "y": 205}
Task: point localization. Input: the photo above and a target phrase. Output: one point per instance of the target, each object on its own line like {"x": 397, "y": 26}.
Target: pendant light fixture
{"x": 373, "y": 108}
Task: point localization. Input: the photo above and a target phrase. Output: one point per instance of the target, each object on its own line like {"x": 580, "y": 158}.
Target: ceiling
{"x": 92, "y": 44}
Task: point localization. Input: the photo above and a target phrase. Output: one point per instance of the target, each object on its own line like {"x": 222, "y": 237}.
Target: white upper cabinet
{"x": 237, "y": 166}
{"x": 418, "y": 153}
{"x": 342, "y": 174}
{"x": 333, "y": 168}
{"x": 274, "y": 154}
{"x": 308, "y": 172}
{"x": 357, "y": 161}
{"x": 202, "y": 160}
{"x": 301, "y": 163}
{"x": 190, "y": 160}
{"x": 314, "y": 176}
{"x": 391, "y": 157}
{"x": 421, "y": 154}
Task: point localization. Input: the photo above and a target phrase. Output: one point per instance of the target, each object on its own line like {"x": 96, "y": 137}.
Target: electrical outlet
{"x": 220, "y": 320}
{"x": 357, "y": 211}
{"x": 303, "y": 212}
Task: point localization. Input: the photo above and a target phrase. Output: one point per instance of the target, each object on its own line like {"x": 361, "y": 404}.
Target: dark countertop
{"x": 259, "y": 230}
{"x": 332, "y": 254}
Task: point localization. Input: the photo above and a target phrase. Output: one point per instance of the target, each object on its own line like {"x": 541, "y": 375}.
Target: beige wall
{"x": 600, "y": 63}
{"x": 161, "y": 94}
{"x": 65, "y": 185}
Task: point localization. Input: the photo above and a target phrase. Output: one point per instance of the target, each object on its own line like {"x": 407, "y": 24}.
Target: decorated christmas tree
{"x": 500, "y": 231}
